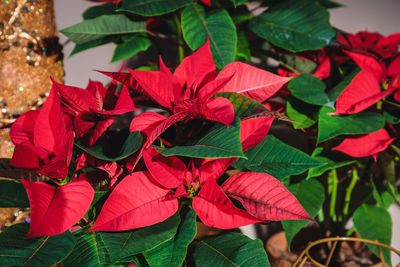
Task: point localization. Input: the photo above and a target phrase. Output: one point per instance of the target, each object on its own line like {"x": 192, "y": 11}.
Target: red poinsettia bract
{"x": 366, "y": 145}
{"x": 56, "y": 209}
{"x": 43, "y": 139}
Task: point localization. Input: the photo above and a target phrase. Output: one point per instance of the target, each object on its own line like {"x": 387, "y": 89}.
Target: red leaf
{"x": 264, "y": 197}
{"x": 251, "y": 81}
{"x": 21, "y": 131}
{"x": 324, "y": 69}
{"x": 361, "y": 93}
{"x": 197, "y": 69}
{"x": 55, "y": 210}
{"x": 49, "y": 130}
{"x": 135, "y": 202}
{"x": 368, "y": 63}
{"x": 75, "y": 98}
{"x": 98, "y": 91}
{"x": 220, "y": 109}
{"x": 215, "y": 209}
{"x": 123, "y": 105}
{"x": 167, "y": 171}
{"x": 254, "y": 130}
{"x": 366, "y": 145}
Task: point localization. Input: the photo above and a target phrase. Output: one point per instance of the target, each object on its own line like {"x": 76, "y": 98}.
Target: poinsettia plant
{"x": 217, "y": 136}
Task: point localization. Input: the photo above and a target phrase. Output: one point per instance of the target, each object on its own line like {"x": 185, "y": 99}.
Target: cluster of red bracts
{"x": 44, "y": 143}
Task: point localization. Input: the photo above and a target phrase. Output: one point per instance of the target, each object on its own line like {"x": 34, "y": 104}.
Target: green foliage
{"x": 130, "y": 46}
{"x": 219, "y": 142}
{"x": 217, "y": 26}
{"x": 13, "y": 194}
{"x": 232, "y": 249}
{"x": 152, "y": 7}
{"x": 310, "y": 89}
{"x": 43, "y": 251}
{"x": 276, "y": 158}
{"x": 295, "y": 25}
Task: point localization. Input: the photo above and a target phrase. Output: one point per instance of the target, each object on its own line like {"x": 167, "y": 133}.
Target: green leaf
{"x": 173, "y": 252}
{"x": 96, "y": 11}
{"x": 219, "y": 142}
{"x": 303, "y": 115}
{"x": 374, "y": 223}
{"x": 276, "y": 158}
{"x": 310, "y": 89}
{"x": 381, "y": 195}
{"x": 88, "y": 251}
{"x": 311, "y": 195}
{"x": 238, "y": 2}
{"x": 243, "y": 49}
{"x": 217, "y": 25}
{"x": 15, "y": 250}
{"x": 232, "y": 249}
{"x": 332, "y": 160}
{"x": 130, "y": 146}
{"x": 130, "y": 46}
{"x": 295, "y": 25}
{"x": 242, "y": 105}
{"x": 152, "y": 7}
{"x": 105, "y": 25}
{"x": 330, "y": 126}
{"x": 13, "y": 194}
{"x": 95, "y": 43}
{"x": 123, "y": 245}
{"x": 299, "y": 64}
{"x": 329, "y": 4}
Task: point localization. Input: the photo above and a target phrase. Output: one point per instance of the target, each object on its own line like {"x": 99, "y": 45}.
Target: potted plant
{"x": 219, "y": 136}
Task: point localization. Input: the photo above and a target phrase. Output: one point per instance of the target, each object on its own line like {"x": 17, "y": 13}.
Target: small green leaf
{"x": 95, "y": 43}
{"x": 243, "y": 106}
{"x": 130, "y": 146}
{"x": 13, "y": 194}
{"x": 374, "y": 223}
{"x": 276, "y": 158}
{"x": 330, "y": 126}
{"x": 152, "y": 7}
{"x": 123, "y": 245}
{"x": 173, "y": 252}
{"x": 219, "y": 142}
{"x": 232, "y": 249}
{"x": 15, "y": 250}
{"x": 311, "y": 195}
{"x": 130, "y": 46}
{"x": 243, "y": 49}
{"x": 310, "y": 89}
{"x": 96, "y": 11}
{"x": 295, "y": 25}
{"x": 303, "y": 115}
{"x": 105, "y": 25}
{"x": 332, "y": 160}
{"x": 217, "y": 25}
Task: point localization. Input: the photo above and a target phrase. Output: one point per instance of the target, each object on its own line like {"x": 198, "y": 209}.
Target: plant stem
{"x": 349, "y": 189}
{"x": 180, "y": 40}
{"x": 333, "y": 184}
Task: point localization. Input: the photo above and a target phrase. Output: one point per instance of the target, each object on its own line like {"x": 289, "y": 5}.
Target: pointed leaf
{"x": 232, "y": 249}
{"x": 310, "y": 89}
{"x": 250, "y": 81}
{"x": 303, "y": 115}
{"x": 102, "y": 26}
{"x": 152, "y": 7}
{"x": 215, "y": 209}
{"x": 13, "y": 194}
{"x": 173, "y": 252}
{"x": 374, "y": 223}
{"x": 312, "y": 33}
{"x": 242, "y": 105}
{"x": 122, "y": 245}
{"x": 130, "y": 146}
{"x": 216, "y": 25}
{"x": 95, "y": 43}
{"x": 311, "y": 195}
{"x": 130, "y": 47}
{"x": 219, "y": 142}
{"x": 276, "y": 158}
{"x": 135, "y": 202}
{"x": 366, "y": 145}
{"x": 332, "y": 160}
{"x": 95, "y": 11}
{"x": 16, "y": 250}
{"x": 330, "y": 126}
{"x": 55, "y": 210}
{"x": 338, "y": 89}
{"x": 264, "y": 197}
{"x": 89, "y": 250}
